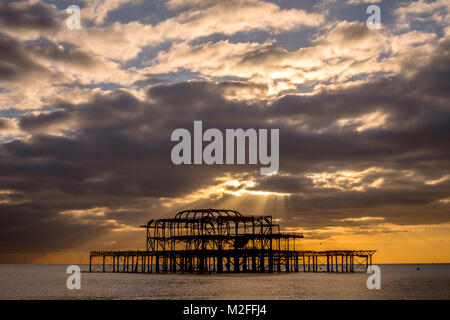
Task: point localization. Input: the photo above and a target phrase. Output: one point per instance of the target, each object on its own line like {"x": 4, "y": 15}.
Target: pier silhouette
{"x": 219, "y": 241}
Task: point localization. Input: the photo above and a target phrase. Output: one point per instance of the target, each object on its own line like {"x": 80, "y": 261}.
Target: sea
{"x": 397, "y": 282}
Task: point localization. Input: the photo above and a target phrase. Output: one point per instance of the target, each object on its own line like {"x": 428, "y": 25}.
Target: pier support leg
{"x": 219, "y": 263}
{"x": 236, "y": 263}
{"x": 287, "y": 262}
{"x": 254, "y": 263}
{"x": 270, "y": 261}
{"x": 261, "y": 263}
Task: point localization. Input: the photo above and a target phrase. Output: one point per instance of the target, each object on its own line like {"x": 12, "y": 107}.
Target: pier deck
{"x": 232, "y": 261}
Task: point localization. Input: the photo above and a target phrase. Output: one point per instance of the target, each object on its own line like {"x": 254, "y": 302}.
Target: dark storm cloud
{"x": 416, "y": 129}
{"x": 15, "y": 62}
{"x": 6, "y": 124}
{"x": 396, "y": 96}
{"x": 66, "y": 54}
{"x": 24, "y": 15}
{"x": 115, "y": 153}
{"x": 44, "y": 121}
{"x": 31, "y": 224}
{"x": 21, "y": 61}
{"x": 235, "y": 88}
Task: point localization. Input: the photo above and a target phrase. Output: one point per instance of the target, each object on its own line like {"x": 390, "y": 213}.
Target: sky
{"x": 86, "y": 117}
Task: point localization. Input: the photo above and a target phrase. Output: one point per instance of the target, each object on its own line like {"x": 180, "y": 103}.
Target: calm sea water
{"x": 431, "y": 281}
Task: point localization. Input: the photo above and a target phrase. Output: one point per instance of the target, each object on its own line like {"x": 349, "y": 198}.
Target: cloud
{"x": 420, "y": 11}
{"x": 8, "y": 128}
{"x": 24, "y": 15}
{"x": 113, "y": 152}
{"x": 363, "y": 1}
{"x": 125, "y": 41}
{"x": 97, "y": 10}
{"x": 177, "y": 4}
{"x": 87, "y": 116}
{"x": 34, "y": 73}
{"x": 345, "y": 51}
{"x": 16, "y": 62}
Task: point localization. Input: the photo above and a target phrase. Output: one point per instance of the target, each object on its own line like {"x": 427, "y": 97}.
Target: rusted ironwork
{"x": 212, "y": 240}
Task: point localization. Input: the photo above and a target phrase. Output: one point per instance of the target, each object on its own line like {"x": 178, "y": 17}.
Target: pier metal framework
{"x": 211, "y": 240}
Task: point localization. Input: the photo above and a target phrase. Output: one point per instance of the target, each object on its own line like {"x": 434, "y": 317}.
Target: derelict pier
{"x": 211, "y": 240}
